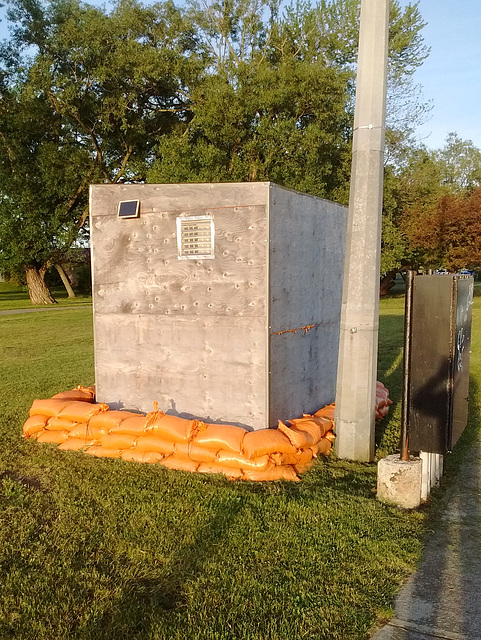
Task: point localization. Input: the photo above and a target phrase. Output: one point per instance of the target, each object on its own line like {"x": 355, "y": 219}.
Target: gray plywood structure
{"x": 247, "y": 334}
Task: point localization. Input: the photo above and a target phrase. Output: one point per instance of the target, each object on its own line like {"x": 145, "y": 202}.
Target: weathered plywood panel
{"x": 137, "y": 270}
{"x": 191, "y": 334}
{"x": 177, "y": 198}
{"x": 306, "y": 239}
{"x": 203, "y": 367}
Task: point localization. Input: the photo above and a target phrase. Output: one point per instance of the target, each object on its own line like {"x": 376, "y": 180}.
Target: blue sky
{"x": 451, "y": 76}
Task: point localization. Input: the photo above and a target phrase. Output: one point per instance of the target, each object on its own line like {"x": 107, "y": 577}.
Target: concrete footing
{"x": 399, "y": 482}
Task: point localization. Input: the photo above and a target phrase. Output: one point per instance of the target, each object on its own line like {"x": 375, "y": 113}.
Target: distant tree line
{"x": 237, "y": 90}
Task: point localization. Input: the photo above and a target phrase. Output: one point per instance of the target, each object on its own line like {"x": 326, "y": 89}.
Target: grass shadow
{"x": 162, "y": 591}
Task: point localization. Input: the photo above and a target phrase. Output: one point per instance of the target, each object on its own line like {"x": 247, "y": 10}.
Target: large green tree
{"x": 44, "y": 175}
{"x": 85, "y": 94}
{"x": 276, "y": 101}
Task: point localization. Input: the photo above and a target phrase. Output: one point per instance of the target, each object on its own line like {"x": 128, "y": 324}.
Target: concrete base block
{"x": 399, "y": 481}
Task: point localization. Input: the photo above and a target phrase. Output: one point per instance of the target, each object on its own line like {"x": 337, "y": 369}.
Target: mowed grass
{"x": 16, "y": 297}
{"x": 105, "y": 549}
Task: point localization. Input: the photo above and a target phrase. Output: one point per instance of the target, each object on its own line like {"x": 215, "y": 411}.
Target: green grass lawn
{"x": 13, "y": 297}
{"x": 106, "y": 549}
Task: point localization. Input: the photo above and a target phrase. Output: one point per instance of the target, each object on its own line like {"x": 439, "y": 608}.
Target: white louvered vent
{"x": 195, "y": 237}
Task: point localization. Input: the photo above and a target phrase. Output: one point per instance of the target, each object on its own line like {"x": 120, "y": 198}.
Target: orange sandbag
{"x": 326, "y": 412}
{"x": 173, "y": 428}
{"x": 195, "y": 452}
{"x": 82, "y": 411}
{"x": 235, "y": 460}
{"x": 303, "y": 468}
{"x": 324, "y": 446}
{"x": 180, "y": 464}
{"x": 220, "y": 436}
{"x": 264, "y": 442}
{"x": 104, "y": 422}
{"x": 74, "y": 444}
{"x": 59, "y": 424}
{"x": 132, "y": 425}
{"x": 54, "y": 437}
{"x": 141, "y": 456}
{"x": 283, "y": 472}
{"x": 81, "y": 430}
{"x": 300, "y": 439}
{"x": 316, "y": 426}
{"x": 118, "y": 441}
{"x": 151, "y": 456}
{"x": 33, "y": 425}
{"x": 50, "y": 408}
{"x": 301, "y": 457}
{"x": 101, "y": 452}
{"x": 83, "y": 394}
{"x": 215, "y": 467}
{"x": 150, "y": 442}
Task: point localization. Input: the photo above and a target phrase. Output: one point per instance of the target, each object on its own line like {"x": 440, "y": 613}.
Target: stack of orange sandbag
{"x": 58, "y": 418}
{"x": 75, "y": 422}
{"x": 382, "y": 401}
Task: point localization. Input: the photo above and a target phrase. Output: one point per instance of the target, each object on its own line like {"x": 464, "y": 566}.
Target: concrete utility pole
{"x": 357, "y": 372}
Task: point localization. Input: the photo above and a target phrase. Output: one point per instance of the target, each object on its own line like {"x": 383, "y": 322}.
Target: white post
{"x": 426, "y": 475}
{"x": 357, "y": 370}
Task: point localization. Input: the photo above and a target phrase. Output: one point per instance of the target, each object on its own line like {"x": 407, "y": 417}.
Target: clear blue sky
{"x": 451, "y": 76}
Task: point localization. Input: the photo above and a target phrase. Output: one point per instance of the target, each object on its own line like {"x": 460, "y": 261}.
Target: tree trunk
{"x": 387, "y": 283}
{"x": 37, "y": 289}
{"x": 65, "y": 280}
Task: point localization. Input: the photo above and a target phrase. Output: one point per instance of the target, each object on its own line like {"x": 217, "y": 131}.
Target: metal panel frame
{"x": 439, "y": 368}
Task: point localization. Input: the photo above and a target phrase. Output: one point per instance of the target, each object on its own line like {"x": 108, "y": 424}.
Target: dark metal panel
{"x": 431, "y": 363}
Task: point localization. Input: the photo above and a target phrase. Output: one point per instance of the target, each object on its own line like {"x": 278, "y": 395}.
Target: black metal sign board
{"x": 439, "y": 367}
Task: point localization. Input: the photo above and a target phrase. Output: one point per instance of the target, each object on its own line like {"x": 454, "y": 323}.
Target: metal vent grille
{"x": 195, "y": 237}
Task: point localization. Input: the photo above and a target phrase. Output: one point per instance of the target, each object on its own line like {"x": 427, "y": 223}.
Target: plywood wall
{"x": 205, "y": 337}
{"x": 306, "y": 257}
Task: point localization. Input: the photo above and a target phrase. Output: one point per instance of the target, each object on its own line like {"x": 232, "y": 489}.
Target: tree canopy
{"x": 277, "y": 101}
{"x": 422, "y": 199}
{"x": 84, "y": 96}
{"x": 450, "y": 233}
{"x": 214, "y": 91}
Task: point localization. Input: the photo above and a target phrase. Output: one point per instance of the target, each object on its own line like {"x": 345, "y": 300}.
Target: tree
{"x": 276, "y": 102}
{"x": 44, "y": 172}
{"x": 94, "y": 90}
{"x": 459, "y": 164}
{"x": 415, "y": 198}
{"x": 450, "y": 234}
{"x": 266, "y": 109}
{"x": 223, "y": 91}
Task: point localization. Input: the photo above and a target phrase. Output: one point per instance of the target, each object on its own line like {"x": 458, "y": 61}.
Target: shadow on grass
{"x": 132, "y": 612}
